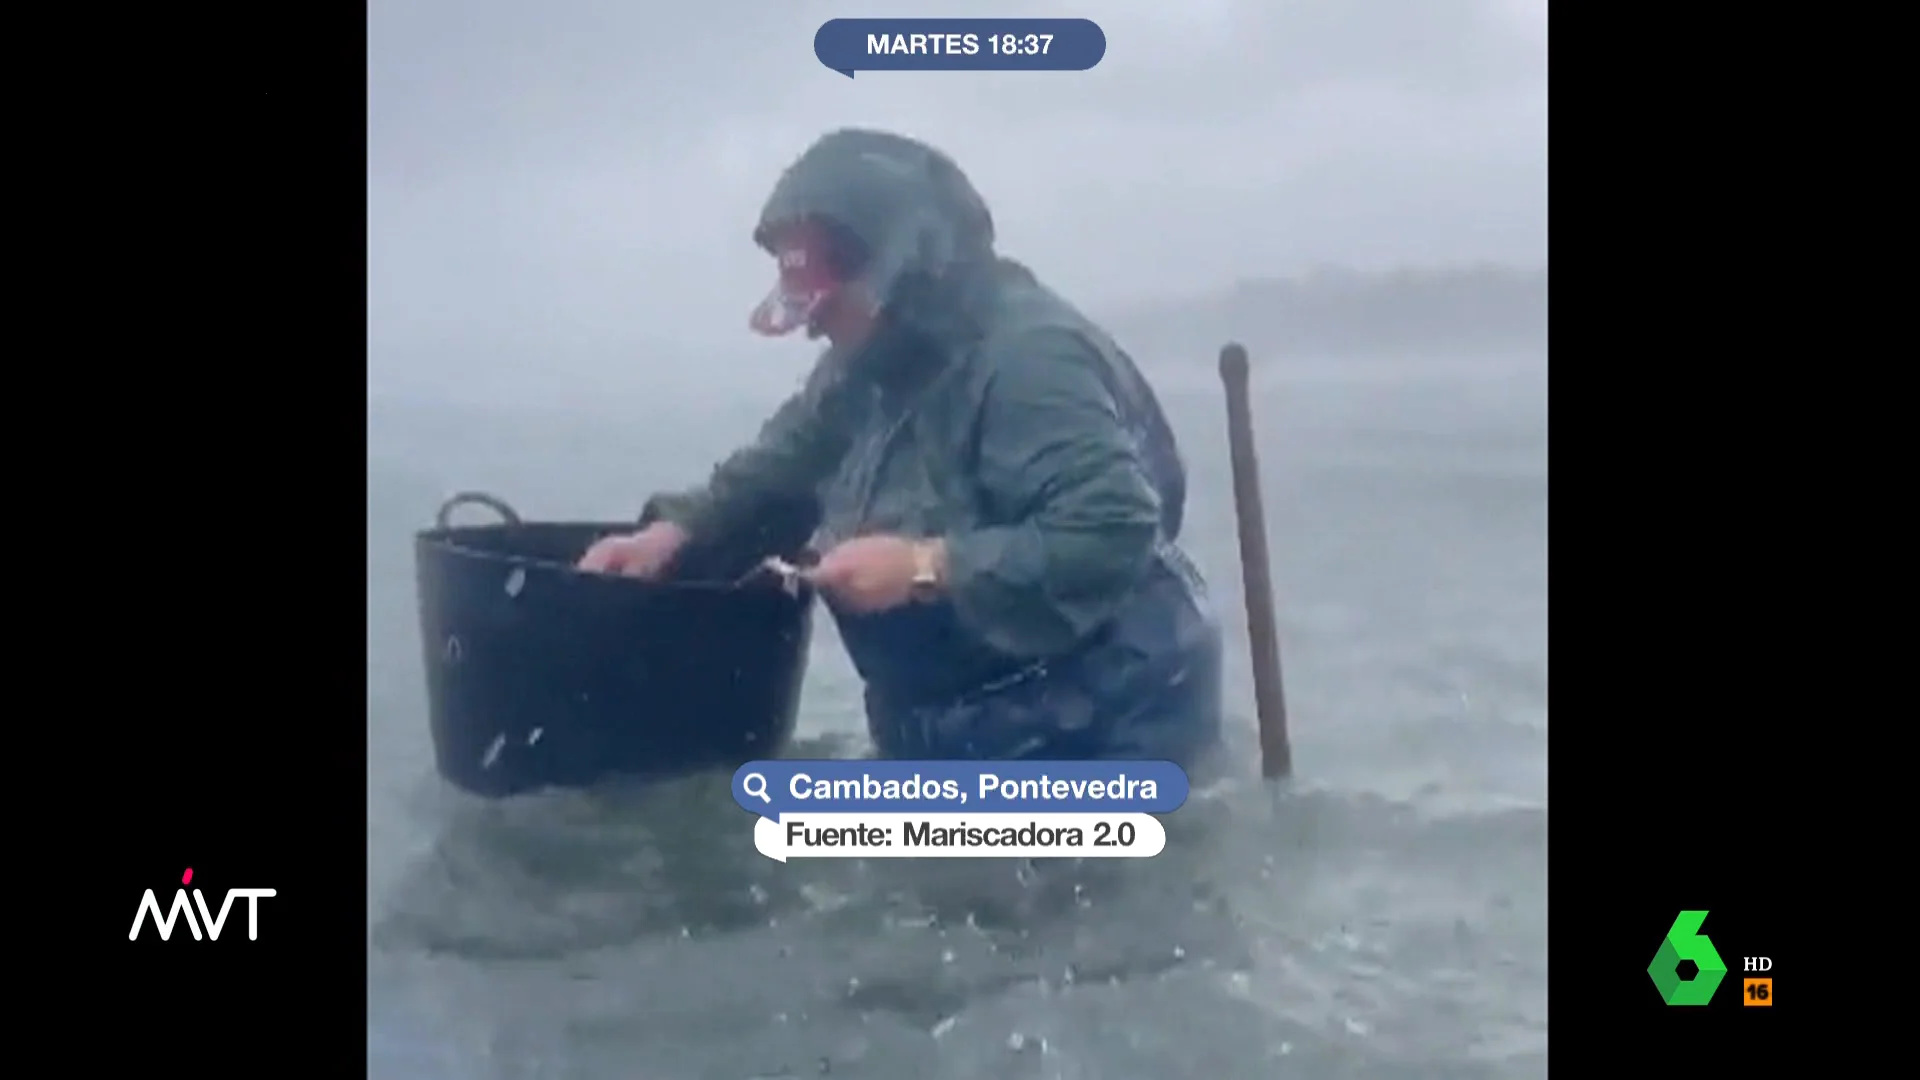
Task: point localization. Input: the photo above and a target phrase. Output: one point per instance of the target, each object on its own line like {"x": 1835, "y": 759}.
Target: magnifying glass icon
{"x": 755, "y": 785}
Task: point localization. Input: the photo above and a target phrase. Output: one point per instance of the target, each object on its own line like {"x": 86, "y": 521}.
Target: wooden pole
{"x": 1256, "y": 575}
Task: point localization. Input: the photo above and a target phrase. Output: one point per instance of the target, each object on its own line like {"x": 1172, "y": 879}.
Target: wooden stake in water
{"x": 1269, "y": 697}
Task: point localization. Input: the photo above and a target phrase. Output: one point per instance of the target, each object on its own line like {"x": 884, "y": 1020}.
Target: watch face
{"x": 926, "y": 577}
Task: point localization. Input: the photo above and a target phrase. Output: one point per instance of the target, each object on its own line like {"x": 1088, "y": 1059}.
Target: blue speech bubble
{"x": 850, "y": 45}
{"x": 772, "y": 788}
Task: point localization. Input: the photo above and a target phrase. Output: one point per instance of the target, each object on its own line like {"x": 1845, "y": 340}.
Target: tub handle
{"x": 444, "y": 519}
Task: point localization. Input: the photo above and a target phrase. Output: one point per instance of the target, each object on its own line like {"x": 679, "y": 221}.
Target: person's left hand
{"x": 868, "y": 573}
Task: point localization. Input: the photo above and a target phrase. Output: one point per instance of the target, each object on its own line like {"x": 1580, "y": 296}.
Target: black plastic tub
{"x": 539, "y": 676}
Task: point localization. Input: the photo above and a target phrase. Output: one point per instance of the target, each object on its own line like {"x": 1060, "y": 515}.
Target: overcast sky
{"x": 552, "y": 182}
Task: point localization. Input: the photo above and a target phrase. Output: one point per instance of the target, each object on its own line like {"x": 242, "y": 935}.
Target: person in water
{"x": 998, "y": 493}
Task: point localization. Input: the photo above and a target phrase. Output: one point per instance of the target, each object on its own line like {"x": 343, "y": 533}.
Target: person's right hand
{"x": 644, "y": 554}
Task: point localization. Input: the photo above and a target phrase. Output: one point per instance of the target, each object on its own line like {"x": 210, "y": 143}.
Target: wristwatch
{"x": 926, "y": 569}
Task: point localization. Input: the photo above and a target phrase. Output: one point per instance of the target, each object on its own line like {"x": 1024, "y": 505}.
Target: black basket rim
{"x": 447, "y": 539}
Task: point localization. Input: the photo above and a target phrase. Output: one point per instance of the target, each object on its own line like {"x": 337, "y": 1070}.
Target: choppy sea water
{"x": 1384, "y": 917}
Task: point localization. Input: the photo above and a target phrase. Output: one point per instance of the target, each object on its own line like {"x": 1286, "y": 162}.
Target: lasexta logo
{"x": 149, "y": 904}
{"x": 1685, "y": 942}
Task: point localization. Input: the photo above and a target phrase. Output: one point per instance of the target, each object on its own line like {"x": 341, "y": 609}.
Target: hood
{"x": 910, "y": 206}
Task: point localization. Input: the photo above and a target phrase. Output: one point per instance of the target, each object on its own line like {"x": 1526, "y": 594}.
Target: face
{"x": 844, "y": 317}
{"x": 809, "y": 294}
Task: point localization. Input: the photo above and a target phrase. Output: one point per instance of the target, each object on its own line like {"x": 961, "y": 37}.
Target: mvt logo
{"x": 212, "y": 923}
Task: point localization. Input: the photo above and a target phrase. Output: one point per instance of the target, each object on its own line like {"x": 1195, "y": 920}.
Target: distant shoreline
{"x": 1338, "y": 316}
{"x": 1354, "y": 314}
